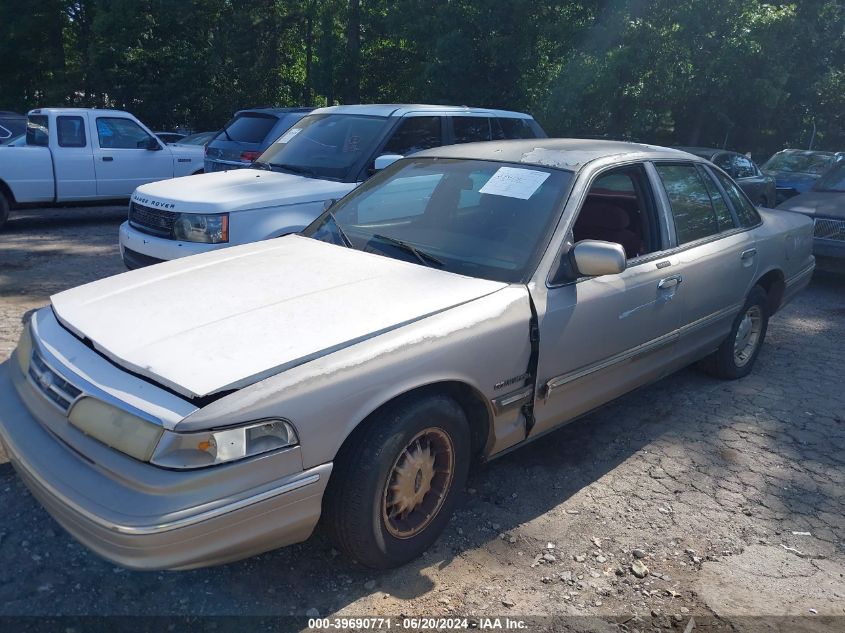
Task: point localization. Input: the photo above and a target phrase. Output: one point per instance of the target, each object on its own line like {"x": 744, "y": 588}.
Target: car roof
{"x": 806, "y": 152}
{"x": 76, "y": 111}
{"x": 562, "y": 153}
{"x": 705, "y": 152}
{"x": 272, "y": 110}
{"x": 400, "y": 109}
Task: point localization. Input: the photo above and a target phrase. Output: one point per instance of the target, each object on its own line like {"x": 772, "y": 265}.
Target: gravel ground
{"x": 730, "y": 494}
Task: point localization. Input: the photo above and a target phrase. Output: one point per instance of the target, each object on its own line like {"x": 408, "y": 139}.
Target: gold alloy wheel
{"x": 418, "y": 483}
{"x": 748, "y": 336}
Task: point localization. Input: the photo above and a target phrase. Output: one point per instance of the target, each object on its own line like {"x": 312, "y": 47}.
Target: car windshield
{"x": 324, "y": 145}
{"x": 834, "y": 180}
{"x": 804, "y": 163}
{"x": 478, "y": 218}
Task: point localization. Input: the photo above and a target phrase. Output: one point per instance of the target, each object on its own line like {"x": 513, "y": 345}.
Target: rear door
{"x": 122, "y": 161}
{"x": 73, "y": 159}
{"x": 715, "y": 254}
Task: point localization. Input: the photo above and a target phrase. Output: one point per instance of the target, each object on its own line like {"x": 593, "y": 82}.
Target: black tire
{"x": 726, "y": 362}
{"x": 356, "y": 502}
{"x": 4, "y": 210}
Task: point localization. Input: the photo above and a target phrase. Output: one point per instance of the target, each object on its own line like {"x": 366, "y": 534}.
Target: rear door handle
{"x": 751, "y": 252}
{"x": 108, "y": 159}
{"x": 670, "y": 282}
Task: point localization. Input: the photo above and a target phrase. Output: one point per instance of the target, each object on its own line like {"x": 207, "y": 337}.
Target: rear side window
{"x": 248, "y": 128}
{"x": 692, "y": 210}
{"x": 515, "y": 128}
{"x": 415, "y": 134}
{"x": 723, "y": 212}
{"x": 38, "y": 130}
{"x": 745, "y": 211}
{"x": 70, "y": 131}
{"x": 470, "y": 129}
{"x": 117, "y": 133}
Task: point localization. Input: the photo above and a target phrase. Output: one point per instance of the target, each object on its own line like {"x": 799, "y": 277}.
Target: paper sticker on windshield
{"x": 289, "y": 134}
{"x": 514, "y": 182}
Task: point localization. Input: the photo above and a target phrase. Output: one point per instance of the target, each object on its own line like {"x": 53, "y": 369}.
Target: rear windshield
{"x": 249, "y": 127}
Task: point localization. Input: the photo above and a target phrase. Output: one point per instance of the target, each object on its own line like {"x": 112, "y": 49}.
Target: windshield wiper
{"x": 425, "y": 258}
{"x": 345, "y": 238}
{"x": 295, "y": 169}
{"x": 257, "y": 164}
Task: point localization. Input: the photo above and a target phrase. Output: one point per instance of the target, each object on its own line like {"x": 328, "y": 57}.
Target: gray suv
{"x": 247, "y": 135}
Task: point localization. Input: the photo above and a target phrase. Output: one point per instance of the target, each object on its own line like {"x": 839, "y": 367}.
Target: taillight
{"x": 250, "y": 156}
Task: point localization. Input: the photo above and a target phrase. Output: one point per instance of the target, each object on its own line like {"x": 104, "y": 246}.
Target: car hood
{"x": 829, "y": 204}
{"x": 792, "y": 180}
{"x": 235, "y": 190}
{"x": 225, "y": 319}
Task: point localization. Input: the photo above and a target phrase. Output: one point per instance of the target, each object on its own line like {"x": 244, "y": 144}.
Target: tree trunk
{"x": 353, "y": 54}
{"x": 308, "y": 96}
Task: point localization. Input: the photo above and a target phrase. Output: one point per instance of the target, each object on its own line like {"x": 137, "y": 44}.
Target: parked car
{"x": 170, "y": 137}
{"x": 757, "y": 185}
{"x": 247, "y": 135}
{"x": 322, "y": 157}
{"x": 16, "y": 141}
{"x": 76, "y": 155}
{"x": 825, "y": 204}
{"x": 463, "y": 302}
{"x": 12, "y": 125}
{"x": 200, "y": 138}
{"x": 796, "y": 170}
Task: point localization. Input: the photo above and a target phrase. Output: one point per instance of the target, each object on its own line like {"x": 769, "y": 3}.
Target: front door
{"x": 603, "y": 336}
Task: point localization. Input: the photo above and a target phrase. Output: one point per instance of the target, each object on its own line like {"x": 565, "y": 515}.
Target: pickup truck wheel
{"x": 396, "y": 482}
{"x": 736, "y": 355}
{"x": 4, "y": 210}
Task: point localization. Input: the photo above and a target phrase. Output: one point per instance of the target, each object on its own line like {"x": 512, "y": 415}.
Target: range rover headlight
{"x": 209, "y": 448}
{"x": 115, "y": 427}
{"x": 207, "y": 229}
{"x": 24, "y": 350}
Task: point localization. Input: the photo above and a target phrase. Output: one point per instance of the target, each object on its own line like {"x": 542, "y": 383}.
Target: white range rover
{"x": 321, "y": 158}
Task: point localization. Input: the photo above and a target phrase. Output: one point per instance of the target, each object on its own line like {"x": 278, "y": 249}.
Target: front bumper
{"x": 123, "y": 519}
{"x": 141, "y": 249}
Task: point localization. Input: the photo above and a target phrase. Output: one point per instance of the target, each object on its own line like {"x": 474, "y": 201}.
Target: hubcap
{"x": 748, "y": 336}
{"x": 418, "y": 483}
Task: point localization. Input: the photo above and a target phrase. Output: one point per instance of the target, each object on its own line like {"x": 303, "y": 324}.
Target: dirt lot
{"x": 733, "y": 494}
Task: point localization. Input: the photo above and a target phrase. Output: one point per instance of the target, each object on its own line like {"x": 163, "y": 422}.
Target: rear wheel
{"x": 4, "y": 210}
{"x": 737, "y": 354}
{"x": 396, "y": 481}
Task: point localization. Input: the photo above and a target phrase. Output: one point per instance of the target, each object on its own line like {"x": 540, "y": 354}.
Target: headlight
{"x": 208, "y": 229}
{"x": 195, "y": 450}
{"x": 115, "y": 427}
{"x": 24, "y": 351}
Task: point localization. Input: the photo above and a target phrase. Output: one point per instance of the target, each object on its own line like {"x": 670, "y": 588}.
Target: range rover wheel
{"x": 396, "y": 481}
{"x": 736, "y": 355}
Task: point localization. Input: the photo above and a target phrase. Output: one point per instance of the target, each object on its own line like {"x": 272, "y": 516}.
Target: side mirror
{"x": 150, "y": 143}
{"x": 386, "y": 160}
{"x": 594, "y": 258}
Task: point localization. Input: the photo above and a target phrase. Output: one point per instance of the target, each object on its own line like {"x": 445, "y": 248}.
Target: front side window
{"x": 325, "y": 145}
{"x": 415, "y": 134}
{"x": 478, "y": 218}
{"x": 692, "y": 209}
{"x": 619, "y": 208}
{"x": 117, "y": 133}
{"x": 745, "y": 211}
{"x": 70, "y": 131}
{"x": 723, "y": 212}
{"x": 38, "y": 130}
{"x": 471, "y": 129}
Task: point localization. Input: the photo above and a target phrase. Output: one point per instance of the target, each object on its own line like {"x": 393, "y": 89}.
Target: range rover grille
{"x": 55, "y": 388}
{"x": 827, "y": 229}
{"x": 152, "y": 221}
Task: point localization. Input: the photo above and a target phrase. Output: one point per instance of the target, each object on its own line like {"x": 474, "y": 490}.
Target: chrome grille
{"x": 149, "y": 220}
{"x": 55, "y": 388}
{"x": 827, "y": 229}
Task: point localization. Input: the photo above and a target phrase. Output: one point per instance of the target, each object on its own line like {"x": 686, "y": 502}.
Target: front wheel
{"x": 737, "y": 354}
{"x": 396, "y": 481}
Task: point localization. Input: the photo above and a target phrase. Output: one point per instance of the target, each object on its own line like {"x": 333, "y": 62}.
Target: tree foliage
{"x": 748, "y": 74}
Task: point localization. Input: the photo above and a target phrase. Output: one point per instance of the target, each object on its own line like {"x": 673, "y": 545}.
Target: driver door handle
{"x": 751, "y": 252}
{"x": 108, "y": 159}
{"x": 670, "y": 282}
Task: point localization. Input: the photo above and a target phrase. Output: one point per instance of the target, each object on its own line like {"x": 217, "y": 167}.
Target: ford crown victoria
{"x": 461, "y": 303}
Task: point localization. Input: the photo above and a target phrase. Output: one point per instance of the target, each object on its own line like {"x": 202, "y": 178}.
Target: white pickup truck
{"x": 77, "y": 155}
